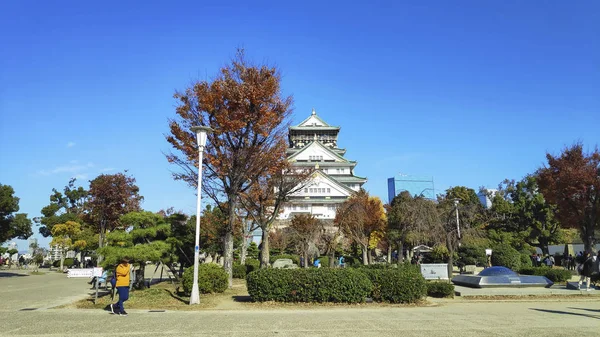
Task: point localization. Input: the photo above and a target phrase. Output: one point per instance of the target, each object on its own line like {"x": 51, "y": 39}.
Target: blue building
{"x": 415, "y": 185}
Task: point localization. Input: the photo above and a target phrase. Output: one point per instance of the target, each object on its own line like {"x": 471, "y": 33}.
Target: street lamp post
{"x": 457, "y": 221}
{"x": 201, "y": 132}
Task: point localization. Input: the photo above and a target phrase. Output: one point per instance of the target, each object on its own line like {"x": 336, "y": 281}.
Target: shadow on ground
{"x": 586, "y": 309}
{"x": 9, "y": 274}
{"x": 567, "y": 312}
{"x": 242, "y": 299}
{"x": 176, "y": 296}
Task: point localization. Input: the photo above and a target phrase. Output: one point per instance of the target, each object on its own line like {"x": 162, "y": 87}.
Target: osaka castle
{"x": 314, "y": 143}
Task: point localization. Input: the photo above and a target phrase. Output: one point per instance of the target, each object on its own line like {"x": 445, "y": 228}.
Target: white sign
{"x": 488, "y": 252}
{"x": 97, "y": 272}
{"x": 87, "y": 272}
{"x": 438, "y": 271}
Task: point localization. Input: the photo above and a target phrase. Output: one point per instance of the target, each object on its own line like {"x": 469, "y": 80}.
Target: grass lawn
{"x": 164, "y": 296}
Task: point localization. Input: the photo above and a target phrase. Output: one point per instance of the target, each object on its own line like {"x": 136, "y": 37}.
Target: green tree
{"x": 142, "y": 240}
{"x": 64, "y": 206}
{"x": 471, "y": 216}
{"x": 519, "y": 208}
{"x": 411, "y": 220}
{"x": 12, "y": 225}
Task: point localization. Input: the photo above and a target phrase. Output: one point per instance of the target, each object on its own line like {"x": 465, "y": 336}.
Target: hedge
{"x": 212, "y": 278}
{"x": 295, "y": 258}
{"x": 554, "y": 275}
{"x": 404, "y": 284}
{"x": 241, "y": 270}
{"x": 308, "y": 285}
{"x": 440, "y": 289}
{"x": 383, "y": 283}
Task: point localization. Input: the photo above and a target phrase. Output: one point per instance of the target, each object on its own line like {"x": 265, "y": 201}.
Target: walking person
{"x": 586, "y": 271}
{"x": 122, "y": 275}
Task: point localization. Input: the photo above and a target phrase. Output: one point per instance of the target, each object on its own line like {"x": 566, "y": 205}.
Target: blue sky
{"x": 468, "y": 92}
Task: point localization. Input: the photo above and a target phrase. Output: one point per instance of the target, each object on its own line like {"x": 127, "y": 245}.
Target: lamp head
{"x": 201, "y": 132}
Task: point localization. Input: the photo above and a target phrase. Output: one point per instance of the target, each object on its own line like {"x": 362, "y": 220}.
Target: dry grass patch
{"x": 161, "y": 296}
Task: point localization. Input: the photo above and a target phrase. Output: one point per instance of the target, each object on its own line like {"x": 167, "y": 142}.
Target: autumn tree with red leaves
{"x": 111, "y": 196}
{"x": 246, "y": 109}
{"x": 572, "y": 182}
{"x": 362, "y": 219}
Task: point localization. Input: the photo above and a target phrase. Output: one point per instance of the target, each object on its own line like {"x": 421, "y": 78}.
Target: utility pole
{"x": 457, "y": 221}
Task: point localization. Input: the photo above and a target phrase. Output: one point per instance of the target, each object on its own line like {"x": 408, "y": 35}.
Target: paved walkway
{"x": 460, "y": 317}
{"x": 20, "y": 290}
{"x": 456, "y": 319}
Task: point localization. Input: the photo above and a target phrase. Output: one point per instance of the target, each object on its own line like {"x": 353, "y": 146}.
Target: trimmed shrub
{"x": 212, "y": 278}
{"x": 308, "y": 285}
{"x": 558, "y": 275}
{"x": 507, "y": 256}
{"x": 240, "y": 271}
{"x": 252, "y": 265}
{"x": 324, "y": 261}
{"x": 402, "y": 285}
{"x": 525, "y": 261}
{"x": 295, "y": 258}
{"x": 396, "y": 283}
{"x": 554, "y": 275}
{"x": 68, "y": 263}
{"x": 440, "y": 289}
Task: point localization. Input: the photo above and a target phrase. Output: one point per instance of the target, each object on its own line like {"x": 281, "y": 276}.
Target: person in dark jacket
{"x": 586, "y": 271}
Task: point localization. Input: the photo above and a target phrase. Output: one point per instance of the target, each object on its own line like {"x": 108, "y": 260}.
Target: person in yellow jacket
{"x": 122, "y": 273}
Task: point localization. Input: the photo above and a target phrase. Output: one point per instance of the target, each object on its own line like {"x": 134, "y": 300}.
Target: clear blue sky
{"x": 468, "y": 92}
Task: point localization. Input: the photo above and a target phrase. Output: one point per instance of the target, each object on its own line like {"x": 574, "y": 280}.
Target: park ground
{"x": 52, "y": 305}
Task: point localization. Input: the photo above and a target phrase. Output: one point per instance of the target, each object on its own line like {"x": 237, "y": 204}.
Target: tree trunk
{"x": 544, "y": 247}
{"x": 587, "y": 235}
{"x": 244, "y": 250}
{"x": 365, "y": 256}
{"x": 140, "y": 278}
{"x": 332, "y": 258}
{"x": 389, "y": 253}
{"x": 264, "y": 249}
{"x": 305, "y": 256}
{"x": 228, "y": 255}
{"x": 62, "y": 261}
{"x": 400, "y": 252}
{"x": 370, "y": 253}
{"x": 450, "y": 257}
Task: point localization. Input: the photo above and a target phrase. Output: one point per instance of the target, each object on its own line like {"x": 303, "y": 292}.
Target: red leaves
{"x": 572, "y": 182}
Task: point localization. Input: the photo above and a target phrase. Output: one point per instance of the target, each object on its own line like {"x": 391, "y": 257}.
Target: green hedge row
{"x": 554, "y": 275}
{"x": 212, "y": 278}
{"x": 308, "y": 285}
{"x": 440, "y": 289}
{"x": 404, "y": 284}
